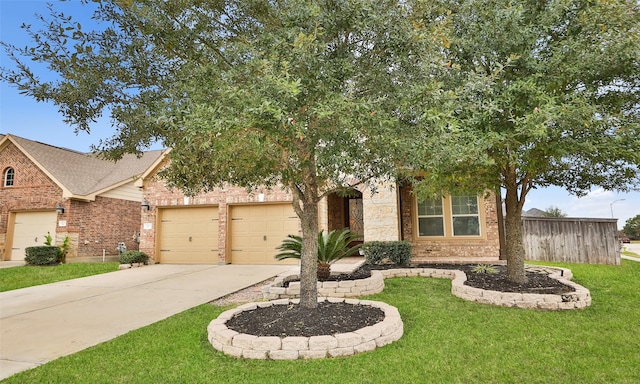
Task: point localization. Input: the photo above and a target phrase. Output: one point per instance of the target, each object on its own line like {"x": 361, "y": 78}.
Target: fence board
{"x": 572, "y": 240}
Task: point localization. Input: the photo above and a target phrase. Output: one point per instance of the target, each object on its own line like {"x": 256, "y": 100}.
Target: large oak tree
{"x": 304, "y": 94}
{"x": 540, "y": 93}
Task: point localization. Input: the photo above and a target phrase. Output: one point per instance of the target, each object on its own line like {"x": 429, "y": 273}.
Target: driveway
{"x": 40, "y": 324}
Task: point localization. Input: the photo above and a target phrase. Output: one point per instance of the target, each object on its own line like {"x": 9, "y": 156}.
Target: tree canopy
{"x": 540, "y": 93}
{"x": 295, "y": 93}
{"x": 632, "y": 227}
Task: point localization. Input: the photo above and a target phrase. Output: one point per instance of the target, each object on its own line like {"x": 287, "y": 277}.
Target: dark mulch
{"x": 293, "y": 320}
{"x": 332, "y": 318}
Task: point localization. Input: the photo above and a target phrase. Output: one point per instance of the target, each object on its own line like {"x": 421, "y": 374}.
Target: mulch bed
{"x": 331, "y": 318}
{"x": 293, "y": 320}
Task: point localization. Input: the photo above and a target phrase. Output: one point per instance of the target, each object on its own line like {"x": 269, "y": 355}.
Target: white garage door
{"x": 30, "y": 229}
{"x": 188, "y": 235}
{"x": 257, "y": 230}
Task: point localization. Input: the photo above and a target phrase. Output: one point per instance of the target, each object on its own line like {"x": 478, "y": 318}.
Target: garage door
{"x": 188, "y": 235}
{"x": 29, "y": 230}
{"x": 256, "y": 231}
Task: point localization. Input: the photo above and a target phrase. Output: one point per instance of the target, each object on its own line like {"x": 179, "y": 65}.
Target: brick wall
{"x": 159, "y": 196}
{"x": 91, "y": 226}
{"x": 32, "y": 189}
{"x": 423, "y": 250}
{"x": 101, "y": 224}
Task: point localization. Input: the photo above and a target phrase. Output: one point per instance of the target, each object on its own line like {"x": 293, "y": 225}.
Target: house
{"x": 232, "y": 225}
{"x": 47, "y": 189}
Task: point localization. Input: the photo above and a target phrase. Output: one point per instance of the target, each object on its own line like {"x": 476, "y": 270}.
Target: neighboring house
{"x": 534, "y": 212}
{"x": 47, "y": 189}
{"x": 231, "y": 225}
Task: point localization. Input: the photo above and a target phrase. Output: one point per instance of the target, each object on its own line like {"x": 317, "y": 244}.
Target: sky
{"x": 23, "y": 116}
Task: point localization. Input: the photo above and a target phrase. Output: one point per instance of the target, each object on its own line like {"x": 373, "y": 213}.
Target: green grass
{"x": 446, "y": 340}
{"x": 29, "y": 276}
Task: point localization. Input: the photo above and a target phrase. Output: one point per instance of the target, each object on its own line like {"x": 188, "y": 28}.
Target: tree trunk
{"x": 514, "y": 246}
{"x": 309, "y": 258}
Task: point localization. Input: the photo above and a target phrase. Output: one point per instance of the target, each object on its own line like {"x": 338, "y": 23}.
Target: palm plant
{"x": 331, "y": 248}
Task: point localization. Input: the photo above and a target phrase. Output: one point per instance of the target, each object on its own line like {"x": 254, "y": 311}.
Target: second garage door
{"x": 257, "y": 230}
{"x": 189, "y": 235}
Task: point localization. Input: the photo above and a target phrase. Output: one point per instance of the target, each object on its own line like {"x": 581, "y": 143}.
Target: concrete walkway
{"x": 40, "y": 324}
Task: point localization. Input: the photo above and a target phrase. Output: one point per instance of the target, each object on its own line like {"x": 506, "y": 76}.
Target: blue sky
{"x": 23, "y": 116}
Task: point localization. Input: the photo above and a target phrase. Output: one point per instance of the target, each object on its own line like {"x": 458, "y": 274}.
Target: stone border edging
{"x": 247, "y": 346}
{"x": 352, "y": 288}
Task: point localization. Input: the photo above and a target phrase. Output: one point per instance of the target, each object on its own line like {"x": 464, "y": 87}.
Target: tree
{"x": 632, "y": 227}
{"x": 296, "y": 93}
{"x": 553, "y": 212}
{"x": 541, "y": 93}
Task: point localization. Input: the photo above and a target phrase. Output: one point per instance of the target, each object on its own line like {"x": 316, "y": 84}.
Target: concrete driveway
{"x": 42, "y": 323}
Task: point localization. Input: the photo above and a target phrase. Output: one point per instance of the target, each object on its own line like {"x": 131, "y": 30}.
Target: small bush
{"x": 485, "y": 268}
{"x": 131, "y": 257}
{"x": 41, "y": 255}
{"x": 397, "y": 252}
{"x": 62, "y": 249}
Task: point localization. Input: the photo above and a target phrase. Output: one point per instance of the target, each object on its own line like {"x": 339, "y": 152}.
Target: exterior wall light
{"x": 145, "y": 205}
{"x": 60, "y": 209}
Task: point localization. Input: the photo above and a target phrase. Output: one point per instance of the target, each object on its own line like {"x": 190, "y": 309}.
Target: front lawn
{"x": 29, "y": 275}
{"x": 446, "y": 340}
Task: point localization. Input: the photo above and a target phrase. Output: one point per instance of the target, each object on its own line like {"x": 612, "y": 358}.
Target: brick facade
{"x": 91, "y": 226}
{"x": 158, "y": 195}
{"x": 331, "y": 216}
{"x": 423, "y": 250}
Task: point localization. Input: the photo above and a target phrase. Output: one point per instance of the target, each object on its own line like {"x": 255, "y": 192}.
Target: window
{"x": 464, "y": 216}
{"x": 9, "y": 174}
{"x": 430, "y": 217}
{"x": 450, "y": 216}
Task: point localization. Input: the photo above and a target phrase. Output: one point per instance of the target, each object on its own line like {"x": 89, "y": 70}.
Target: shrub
{"x": 397, "y": 252}
{"x": 62, "y": 249}
{"x": 485, "y": 268}
{"x": 41, "y": 255}
{"x": 331, "y": 247}
{"x": 131, "y": 257}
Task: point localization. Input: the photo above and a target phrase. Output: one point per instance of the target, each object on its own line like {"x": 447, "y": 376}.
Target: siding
{"x": 125, "y": 192}
{"x": 571, "y": 240}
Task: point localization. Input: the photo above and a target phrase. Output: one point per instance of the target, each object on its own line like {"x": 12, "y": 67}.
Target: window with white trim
{"x": 449, "y": 216}
{"x": 9, "y": 175}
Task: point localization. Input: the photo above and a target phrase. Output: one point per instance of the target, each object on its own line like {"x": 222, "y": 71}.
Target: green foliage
{"x": 131, "y": 257}
{"x": 332, "y": 246}
{"x": 632, "y": 228}
{"x": 553, "y": 212}
{"x": 540, "y": 93}
{"x": 397, "y": 252}
{"x": 62, "y": 249}
{"x": 41, "y": 255}
{"x": 485, "y": 268}
{"x": 302, "y": 94}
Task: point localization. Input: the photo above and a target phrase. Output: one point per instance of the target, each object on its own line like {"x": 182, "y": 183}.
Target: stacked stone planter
{"x": 579, "y": 299}
{"x": 299, "y": 347}
{"x": 347, "y": 288}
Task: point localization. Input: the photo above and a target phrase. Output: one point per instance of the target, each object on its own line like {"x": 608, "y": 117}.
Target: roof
{"x": 534, "y": 212}
{"x": 83, "y": 175}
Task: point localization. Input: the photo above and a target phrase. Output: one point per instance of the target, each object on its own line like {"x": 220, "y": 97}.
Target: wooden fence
{"x": 571, "y": 240}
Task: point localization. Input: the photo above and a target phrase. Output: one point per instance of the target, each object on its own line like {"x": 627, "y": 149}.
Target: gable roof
{"x": 82, "y": 175}
{"x": 534, "y": 212}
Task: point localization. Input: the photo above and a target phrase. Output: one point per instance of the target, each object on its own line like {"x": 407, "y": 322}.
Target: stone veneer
{"x": 351, "y": 288}
{"x": 247, "y": 346}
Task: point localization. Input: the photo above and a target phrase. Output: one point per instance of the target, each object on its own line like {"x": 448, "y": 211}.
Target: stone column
{"x": 381, "y": 215}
